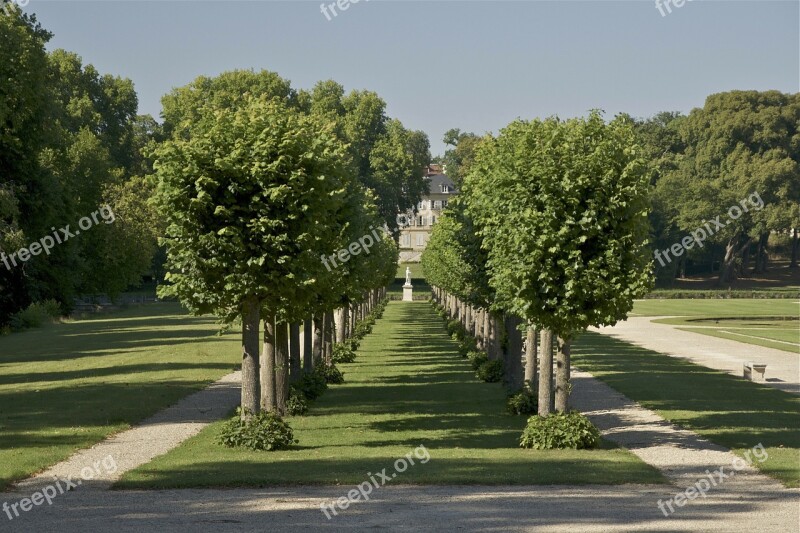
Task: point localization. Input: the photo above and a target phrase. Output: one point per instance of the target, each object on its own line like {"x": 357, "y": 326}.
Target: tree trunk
{"x": 294, "y": 352}
{"x": 727, "y": 272}
{"x": 546, "y": 373}
{"x": 268, "y": 366}
{"x": 795, "y": 247}
{"x": 308, "y": 346}
{"x": 250, "y": 357}
{"x": 281, "y": 367}
{"x": 530, "y": 357}
{"x": 512, "y": 360}
{"x": 493, "y": 346}
{"x": 327, "y": 338}
{"x": 339, "y": 321}
{"x": 345, "y": 322}
{"x": 319, "y": 327}
{"x": 562, "y": 375}
{"x": 468, "y": 317}
{"x": 761, "y": 253}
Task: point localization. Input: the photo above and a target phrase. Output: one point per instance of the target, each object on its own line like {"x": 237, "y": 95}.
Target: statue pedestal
{"x": 408, "y": 293}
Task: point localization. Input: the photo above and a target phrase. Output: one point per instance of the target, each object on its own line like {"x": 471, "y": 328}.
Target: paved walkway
{"x": 783, "y": 368}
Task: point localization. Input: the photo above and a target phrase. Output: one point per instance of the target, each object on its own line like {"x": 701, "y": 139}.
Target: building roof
{"x": 437, "y": 180}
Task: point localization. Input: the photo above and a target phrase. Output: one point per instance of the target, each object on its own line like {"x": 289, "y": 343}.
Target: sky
{"x": 473, "y": 65}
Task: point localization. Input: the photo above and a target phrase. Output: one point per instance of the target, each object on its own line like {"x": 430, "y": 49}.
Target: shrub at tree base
{"x": 523, "y": 402}
{"x": 466, "y": 346}
{"x": 297, "y": 404}
{"x": 490, "y": 371}
{"x": 477, "y": 358}
{"x": 343, "y": 353}
{"x": 262, "y": 432}
{"x": 560, "y": 431}
{"x": 35, "y": 315}
{"x": 312, "y": 385}
{"x": 331, "y": 374}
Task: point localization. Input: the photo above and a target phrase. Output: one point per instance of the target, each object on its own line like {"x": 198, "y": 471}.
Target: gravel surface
{"x": 783, "y": 368}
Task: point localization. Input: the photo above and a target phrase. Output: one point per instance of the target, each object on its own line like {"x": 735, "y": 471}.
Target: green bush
{"x": 490, "y": 371}
{"x": 297, "y": 404}
{"x": 455, "y": 330}
{"x": 353, "y": 343}
{"x": 262, "y": 432}
{"x": 477, "y": 358}
{"x": 312, "y": 385}
{"x": 522, "y": 402}
{"x": 331, "y": 374}
{"x": 343, "y": 353}
{"x": 467, "y": 345}
{"x": 35, "y": 315}
{"x": 560, "y": 431}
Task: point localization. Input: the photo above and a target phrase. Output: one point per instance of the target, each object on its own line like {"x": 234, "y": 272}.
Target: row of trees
{"x": 548, "y": 237}
{"x": 260, "y": 186}
{"x": 738, "y": 144}
{"x": 70, "y": 141}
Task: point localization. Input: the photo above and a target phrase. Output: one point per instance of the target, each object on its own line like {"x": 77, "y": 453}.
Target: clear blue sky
{"x": 442, "y": 64}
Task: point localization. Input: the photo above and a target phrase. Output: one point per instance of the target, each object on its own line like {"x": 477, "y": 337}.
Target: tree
{"x": 566, "y": 238}
{"x": 458, "y": 159}
{"x": 251, "y": 194}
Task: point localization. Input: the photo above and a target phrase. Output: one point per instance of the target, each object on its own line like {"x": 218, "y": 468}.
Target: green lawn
{"x": 717, "y": 308}
{"x": 407, "y": 388}
{"x": 779, "y": 333}
{"x": 729, "y": 411}
{"x": 68, "y": 386}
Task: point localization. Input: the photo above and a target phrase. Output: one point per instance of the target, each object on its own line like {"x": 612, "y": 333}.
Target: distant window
{"x": 421, "y": 205}
{"x": 420, "y": 239}
{"x": 420, "y": 221}
{"x": 445, "y": 188}
{"x": 406, "y": 240}
{"x": 433, "y": 221}
{"x": 437, "y": 204}
{"x": 444, "y": 203}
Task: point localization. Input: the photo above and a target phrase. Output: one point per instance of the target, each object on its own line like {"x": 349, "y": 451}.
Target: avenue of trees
{"x": 547, "y": 237}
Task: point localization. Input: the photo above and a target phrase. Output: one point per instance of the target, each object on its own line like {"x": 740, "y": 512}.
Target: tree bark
{"x": 512, "y": 360}
{"x": 530, "y": 357}
{"x": 319, "y": 327}
{"x": 250, "y": 357}
{"x": 493, "y": 346}
{"x": 468, "y": 320}
{"x": 546, "y": 373}
{"x": 294, "y": 352}
{"x": 727, "y": 272}
{"x": 268, "y": 366}
{"x": 308, "y": 346}
{"x": 562, "y": 375}
{"x": 339, "y": 321}
{"x": 327, "y": 338}
{"x": 281, "y": 367}
{"x": 761, "y": 253}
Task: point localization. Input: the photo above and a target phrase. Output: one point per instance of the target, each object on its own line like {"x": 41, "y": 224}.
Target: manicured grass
{"x": 729, "y": 411}
{"x": 781, "y": 333}
{"x": 68, "y": 386}
{"x": 407, "y": 388}
{"x": 717, "y": 308}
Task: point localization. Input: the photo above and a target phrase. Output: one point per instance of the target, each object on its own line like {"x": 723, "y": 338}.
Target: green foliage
{"x": 35, "y": 315}
{"x": 297, "y": 404}
{"x": 343, "y": 353}
{"x": 312, "y": 385}
{"x": 466, "y": 345}
{"x": 560, "y": 431}
{"x": 522, "y": 402}
{"x": 566, "y": 239}
{"x": 261, "y": 432}
{"x": 330, "y": 374}
{"x": 477, "y": 359}
{"x": 455, "y": 329}
{"x": 490, "y": 371}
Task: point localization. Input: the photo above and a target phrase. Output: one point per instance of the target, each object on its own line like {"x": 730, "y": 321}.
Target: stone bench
{"x": 754, "y": 371}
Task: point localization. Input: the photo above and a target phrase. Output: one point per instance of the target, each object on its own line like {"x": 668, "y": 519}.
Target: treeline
{"x": 704, "y": 168}
{"x": 267, "y": 193}
{"x": 548, "y": 236}
{"x": 70, "y": 144}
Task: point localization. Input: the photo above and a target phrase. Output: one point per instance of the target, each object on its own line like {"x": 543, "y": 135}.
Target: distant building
{"x": 415, "y": 236}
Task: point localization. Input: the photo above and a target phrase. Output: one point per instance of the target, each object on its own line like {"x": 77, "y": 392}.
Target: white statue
{"x": 408, "y": 276}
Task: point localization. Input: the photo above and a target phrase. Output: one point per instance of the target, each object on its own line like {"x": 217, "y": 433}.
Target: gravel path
{"x": 783, "y": 368}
